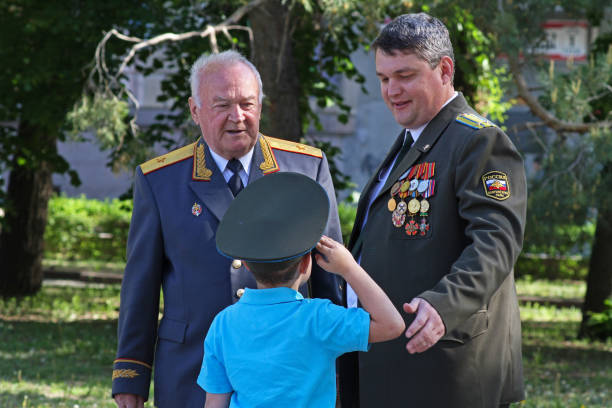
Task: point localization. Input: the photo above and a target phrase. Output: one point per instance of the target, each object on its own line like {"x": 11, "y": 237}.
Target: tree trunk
{"x": 272, "y": 26}
{"x": 599, "y": 280}
{"x": 22, "y": 238}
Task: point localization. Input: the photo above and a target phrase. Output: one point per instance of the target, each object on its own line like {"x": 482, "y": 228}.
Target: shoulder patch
{"x": 496, "y": 185}
{"x": 474, "y": 121}
{"x": 167, "y": 159}
{"x": 293, "y": 147}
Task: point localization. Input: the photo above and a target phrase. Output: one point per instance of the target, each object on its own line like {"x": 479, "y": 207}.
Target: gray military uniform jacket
{"x": 179, "y": 199}
{"x": 459, "y": 256}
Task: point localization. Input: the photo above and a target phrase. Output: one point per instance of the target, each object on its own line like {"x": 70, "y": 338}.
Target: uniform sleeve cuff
{"x": 131, "y": 377}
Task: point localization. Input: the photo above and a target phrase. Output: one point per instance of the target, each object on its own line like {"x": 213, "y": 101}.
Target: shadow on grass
{"x": 53, "y": 362}
{"x": 27, "y": 399}
{"x": 563, "y": 371}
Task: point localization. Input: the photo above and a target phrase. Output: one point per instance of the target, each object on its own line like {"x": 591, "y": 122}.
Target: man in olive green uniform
{"x": 439, "y": 227}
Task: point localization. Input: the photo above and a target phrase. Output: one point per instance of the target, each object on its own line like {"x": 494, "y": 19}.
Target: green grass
{"x": 565, "y": 289}
{"x": 87, "y": 265}
{"x": 561, "y": 370}
{"x": 58, "y": 346}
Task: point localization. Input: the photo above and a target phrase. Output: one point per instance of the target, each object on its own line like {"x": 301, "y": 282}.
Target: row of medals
{"x": 419, "y": 190}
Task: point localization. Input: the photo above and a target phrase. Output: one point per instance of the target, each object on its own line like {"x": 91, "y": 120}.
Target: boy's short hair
{"x": 275, "y": 273}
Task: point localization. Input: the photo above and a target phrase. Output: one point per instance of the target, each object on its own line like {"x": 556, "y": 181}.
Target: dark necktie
{"x": 408, "y": 140}
{"x": 400, "y": 147}
{"x": 235, "y": 182}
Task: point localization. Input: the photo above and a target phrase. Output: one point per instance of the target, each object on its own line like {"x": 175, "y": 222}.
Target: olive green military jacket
{"x": 457, "y": 251}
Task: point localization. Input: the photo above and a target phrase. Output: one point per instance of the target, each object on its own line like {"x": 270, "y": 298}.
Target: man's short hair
{"x": 206, "y": 61}
{"x": 420, "y": 34}
{"x": 275, "y": 273}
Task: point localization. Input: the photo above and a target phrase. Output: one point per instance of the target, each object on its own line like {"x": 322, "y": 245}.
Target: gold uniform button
{"x": 240, "y": 291}
{"x": 236, "y": 263}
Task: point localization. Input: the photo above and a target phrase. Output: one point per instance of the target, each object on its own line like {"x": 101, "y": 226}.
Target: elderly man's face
{"x": 230, "y": 109}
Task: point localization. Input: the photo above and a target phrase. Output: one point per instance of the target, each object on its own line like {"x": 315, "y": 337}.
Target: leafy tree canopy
{"x": 44, "y": 48}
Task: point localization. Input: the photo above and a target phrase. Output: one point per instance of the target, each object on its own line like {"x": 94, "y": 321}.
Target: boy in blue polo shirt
{"x": 273, "y": 348}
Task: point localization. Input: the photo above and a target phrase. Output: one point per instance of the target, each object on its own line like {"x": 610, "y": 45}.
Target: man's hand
{"x": 129, "y": 401}
{"x": 427, "y": 327}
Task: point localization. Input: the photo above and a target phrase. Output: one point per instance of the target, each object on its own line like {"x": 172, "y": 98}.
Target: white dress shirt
{"x": 227, "y": 173}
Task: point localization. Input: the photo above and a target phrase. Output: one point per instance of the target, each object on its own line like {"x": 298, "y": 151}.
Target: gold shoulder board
{"x": 167, "y": 159}
{"x": 293, "y": 147}
{"x": 474, "y": 121}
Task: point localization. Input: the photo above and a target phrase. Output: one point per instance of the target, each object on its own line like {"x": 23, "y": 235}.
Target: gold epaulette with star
{"x": 294, "y": 147}
{"x": 167, "y": 159}
{"x": 474, "y": 121}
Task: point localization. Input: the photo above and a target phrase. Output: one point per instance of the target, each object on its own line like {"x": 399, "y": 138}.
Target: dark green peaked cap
{"x": 275, "y": 218}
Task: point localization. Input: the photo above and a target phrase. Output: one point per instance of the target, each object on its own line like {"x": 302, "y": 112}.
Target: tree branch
{"x": 538, "y": 110}
{"x": 102, "y": 81}
{"x": 553, "y": 178}
{"x": 231, "y": 23}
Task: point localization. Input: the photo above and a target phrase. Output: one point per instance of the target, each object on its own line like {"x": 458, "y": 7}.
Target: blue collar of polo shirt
{"x": 270, "y": 296}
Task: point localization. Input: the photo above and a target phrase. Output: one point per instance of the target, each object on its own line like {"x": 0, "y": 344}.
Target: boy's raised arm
{"x": 385, "y": 321}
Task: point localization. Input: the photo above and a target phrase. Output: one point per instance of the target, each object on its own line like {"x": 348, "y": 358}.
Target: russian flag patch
{"x": 496, "y": 185}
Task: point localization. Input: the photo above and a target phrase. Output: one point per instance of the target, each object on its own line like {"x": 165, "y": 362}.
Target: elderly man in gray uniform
{"x": 179, "y": 199}
{"x": 439, "y": 228}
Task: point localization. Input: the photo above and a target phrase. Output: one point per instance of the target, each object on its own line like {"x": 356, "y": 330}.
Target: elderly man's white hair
{"x": 228, "y": 57}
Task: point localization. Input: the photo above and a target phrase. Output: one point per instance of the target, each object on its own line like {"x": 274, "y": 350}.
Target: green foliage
{"x": 571, "y": 94}
{"x": 79, "y": 229}
{"x": 340, "y": 180}
{"x": 547, "y": 266}
{"x": 575, "y": 169}
{"x": 106, "y": 117}
{"x": 323, "y": 41}
{"x": 347, "y": 213}
{"x": 600, "y": 324}
{"x": 571, "y": 233}
{"x": 44, "y": 49}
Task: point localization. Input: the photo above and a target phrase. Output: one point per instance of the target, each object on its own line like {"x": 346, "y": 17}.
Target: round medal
{"x": 395, "y": 189}
{"x": 401, "y": 207}
{"x": 398, "y": 219}
{"x": 423, "y": 184}
{"x": 391, "y": 204}
{"x": 405, "y": 186}
{"x": 414, "y": 183}
{"x": 424, "y": 205}
{"x": 413, "y": 206}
